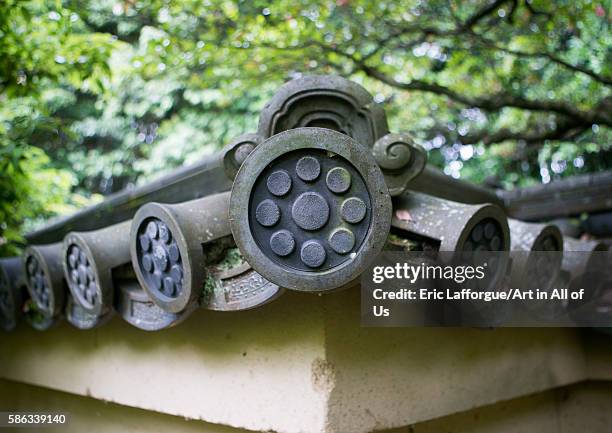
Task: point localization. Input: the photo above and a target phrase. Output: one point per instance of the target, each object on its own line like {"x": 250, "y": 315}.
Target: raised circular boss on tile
{"x": 89, "y": 259}
{"x": 160, "y": 263}
{"x": 172, "y": 243}
{"x": 45, "y": 277}
{"x": 309, "y": 208}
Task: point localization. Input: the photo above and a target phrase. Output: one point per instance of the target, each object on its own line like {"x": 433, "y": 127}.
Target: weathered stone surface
{"x": 45, "y": 277}
{"x": 89, "y": 260}
{"x": 309, "y": 207}
{"x": 181, "y": 243}
{"x": 12, "y": 292}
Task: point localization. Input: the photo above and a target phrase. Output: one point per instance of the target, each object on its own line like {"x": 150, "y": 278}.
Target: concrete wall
{"x": 86, "y": 414}
{"x": 398, "y": 376}
{"x": 235, "y": 369}
{"x": 300, "y": 364}
{"x": 584, "y": 407}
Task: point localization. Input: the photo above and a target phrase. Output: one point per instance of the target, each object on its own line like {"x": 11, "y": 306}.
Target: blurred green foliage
{"x": 98, "y": 95}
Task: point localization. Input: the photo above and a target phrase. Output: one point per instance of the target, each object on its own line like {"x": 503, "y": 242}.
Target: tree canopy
{"x": 99, "y": 95}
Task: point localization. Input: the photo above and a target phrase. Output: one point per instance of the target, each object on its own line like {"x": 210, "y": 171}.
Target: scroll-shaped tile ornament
{"x": 340, "y": 105}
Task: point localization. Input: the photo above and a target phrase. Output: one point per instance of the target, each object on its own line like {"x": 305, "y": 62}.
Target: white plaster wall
{"x": 94, "y": 416}
{"x": 250, "y": 369}
{"x": 393, "y": 377}
{"x": 302, "y": 364}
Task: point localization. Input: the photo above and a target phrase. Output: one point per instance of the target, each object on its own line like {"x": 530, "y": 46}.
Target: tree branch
{"x": 570, "y": 122}
{"x": 492, "y": 102}
{"x": 566, "y": 130}
{"x": 489, "y": 44}
{"x": 535, "y": 12}
{"x": 482, "y": 13}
